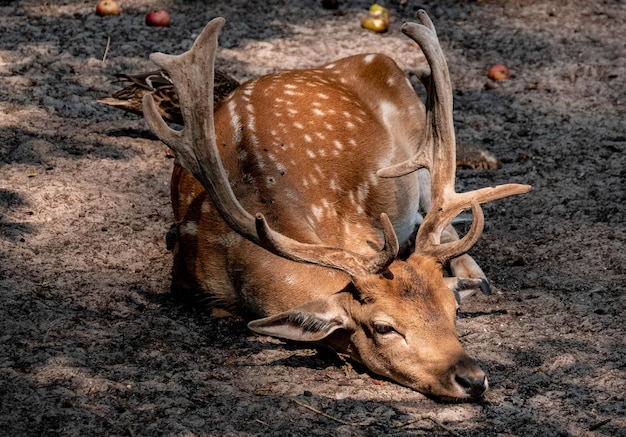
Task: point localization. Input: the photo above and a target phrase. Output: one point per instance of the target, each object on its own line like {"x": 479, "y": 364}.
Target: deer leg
{"x": 464, "y": 267}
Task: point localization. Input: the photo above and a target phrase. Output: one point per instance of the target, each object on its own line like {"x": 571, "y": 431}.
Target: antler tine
{"x": 350, "y": 262}
{"x": 195, "y": 145}
{"x": 192, "y": 74}
{"x": 439, "y": 156}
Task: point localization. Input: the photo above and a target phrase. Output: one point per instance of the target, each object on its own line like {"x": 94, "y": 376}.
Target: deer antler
{"x": 195, "y": 145}
{"x": 438, "y": 155}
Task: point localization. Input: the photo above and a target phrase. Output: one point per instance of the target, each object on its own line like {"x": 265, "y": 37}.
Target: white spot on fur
{"x": 330, "y": 211}
{"x": 189, "y": 228}
{"x": 290, "y": 279}
{"x": 362, "y": 192}
{"x": 235, "y": 122}
{"x": 346, "y": 229}
{"x": 333, "y": 185}
{"x": 387, "y": 110}
{"x": 374, "y": 179}
{"x": 310, "y": 153}
{"x": 259, "y": 158}
{"x": 308, "y": 138}
{"x": 317, "y": 212}
{"x": 352, "y": 199}
{"x": 369, "y": 58}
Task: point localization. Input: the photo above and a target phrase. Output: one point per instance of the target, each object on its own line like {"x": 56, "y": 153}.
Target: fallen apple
{"x": 499, "y": 72}
{"x": 376, "y": 19}
{"x": 159, "y": 18}
{"x": 107, "y": 7}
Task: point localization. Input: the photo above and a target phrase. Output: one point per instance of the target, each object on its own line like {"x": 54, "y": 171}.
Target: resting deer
{"x": 293, "y": 200}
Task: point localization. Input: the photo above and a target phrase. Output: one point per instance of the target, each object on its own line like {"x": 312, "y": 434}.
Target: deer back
{"x": 297, "y": 147}
{"x": 303, "y": 147}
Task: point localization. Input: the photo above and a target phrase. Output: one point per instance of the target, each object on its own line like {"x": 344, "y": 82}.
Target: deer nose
{"x": 473, "y": 383}
{"x": 470, "y": 378}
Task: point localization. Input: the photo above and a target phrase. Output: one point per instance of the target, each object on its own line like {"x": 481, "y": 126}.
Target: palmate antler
{"x": 438, "y": 155}
{"x": 195, "y": 145}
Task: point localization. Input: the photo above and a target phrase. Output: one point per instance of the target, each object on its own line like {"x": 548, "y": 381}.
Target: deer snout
{"x": 470, "y": 378}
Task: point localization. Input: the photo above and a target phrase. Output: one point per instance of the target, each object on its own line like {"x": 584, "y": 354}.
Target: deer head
{"x": 395, "y": 316}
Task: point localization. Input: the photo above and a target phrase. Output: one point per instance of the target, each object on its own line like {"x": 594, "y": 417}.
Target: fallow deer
{"x": 339, "y": 165}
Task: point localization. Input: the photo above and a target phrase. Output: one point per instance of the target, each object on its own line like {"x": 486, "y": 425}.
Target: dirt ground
{"x": 91, "y": 343}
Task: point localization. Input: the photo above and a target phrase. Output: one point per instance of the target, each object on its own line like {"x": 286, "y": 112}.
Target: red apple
{"x": 158, "y": 18}
{"x": 107, "y": 7}
{"x": 498, "y": 72}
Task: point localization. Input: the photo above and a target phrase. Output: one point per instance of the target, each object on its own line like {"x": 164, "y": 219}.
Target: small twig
{"x": 432, "y": 419}
{"x": 401, "y": 425}
{"x": 45, "y": 336}
{"x": 599, "y": 424}
{"x": 328, "y": 416}
{"x": 106, "y": 50}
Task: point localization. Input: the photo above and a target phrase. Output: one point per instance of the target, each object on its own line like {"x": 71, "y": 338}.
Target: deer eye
{"x": 383, "y": 328}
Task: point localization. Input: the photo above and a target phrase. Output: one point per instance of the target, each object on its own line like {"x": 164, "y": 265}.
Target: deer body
{"x": 339, "y": 164}
{"x": 289, "y": 144}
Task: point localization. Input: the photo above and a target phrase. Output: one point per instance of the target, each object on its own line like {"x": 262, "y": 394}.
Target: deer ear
{"x": 312, "y": 321}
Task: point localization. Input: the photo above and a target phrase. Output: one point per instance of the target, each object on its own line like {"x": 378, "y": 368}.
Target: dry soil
{"x": 91, "y": 343}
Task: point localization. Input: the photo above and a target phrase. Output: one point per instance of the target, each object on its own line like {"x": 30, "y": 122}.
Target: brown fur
{"x": 302, "y": 151}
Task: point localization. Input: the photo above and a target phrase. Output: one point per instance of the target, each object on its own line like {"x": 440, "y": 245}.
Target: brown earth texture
{"x": 92, "y": 343}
